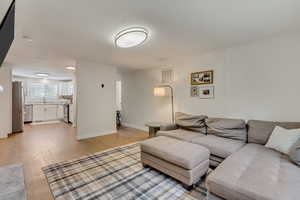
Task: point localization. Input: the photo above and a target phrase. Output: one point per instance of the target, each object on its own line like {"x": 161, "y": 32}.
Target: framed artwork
{"x": 202, "y": 78}
{"x": 194, "y": 91}
{"x": 207, "y": 92}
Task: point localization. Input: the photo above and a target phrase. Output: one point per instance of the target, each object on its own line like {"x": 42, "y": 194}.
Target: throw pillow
{"x": 295, "y": 153}
{"x": 283, "y": 139}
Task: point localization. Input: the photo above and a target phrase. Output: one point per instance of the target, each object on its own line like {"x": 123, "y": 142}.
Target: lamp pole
{"x": 172, "y": 100}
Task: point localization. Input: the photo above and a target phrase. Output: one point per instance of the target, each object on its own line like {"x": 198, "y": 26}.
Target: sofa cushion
{"x": 228, "y": 128}
{"x": 260, "y": 131}
{"x": 180, "y": 153}
{"x": 218, "y": 146}
{"x": 255, "y": 172}
{"x": 190, "y": 122}
{"x": 180, "y": 134}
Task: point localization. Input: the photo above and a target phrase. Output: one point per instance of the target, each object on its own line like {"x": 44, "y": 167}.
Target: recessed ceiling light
{"x": 131, "y": 37}
{"x": 42, "y": 74}
{"x": 70, "y": 68}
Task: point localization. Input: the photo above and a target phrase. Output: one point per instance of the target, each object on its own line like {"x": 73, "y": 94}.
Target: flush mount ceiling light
{"x": 70, "y": 68}
{"x": 42, "y": 74}
{"x": 131, "y": 37}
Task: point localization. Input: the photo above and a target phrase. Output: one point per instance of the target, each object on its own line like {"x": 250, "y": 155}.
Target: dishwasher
{"x": 28, "y": 113}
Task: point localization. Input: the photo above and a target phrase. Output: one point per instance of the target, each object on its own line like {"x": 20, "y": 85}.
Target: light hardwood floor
{"x": 41, "y": 145}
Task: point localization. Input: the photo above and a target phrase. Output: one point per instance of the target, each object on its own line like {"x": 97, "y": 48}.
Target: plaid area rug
{"x": 114, "y": 174}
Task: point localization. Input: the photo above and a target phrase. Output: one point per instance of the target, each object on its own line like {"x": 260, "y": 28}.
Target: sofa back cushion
{"x": 190, "y": 122}
{"x": 260, "y": 131}
{"x": 228, "y": 128}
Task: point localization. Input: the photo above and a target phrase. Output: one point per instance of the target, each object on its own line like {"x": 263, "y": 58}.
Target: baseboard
{"x": 94, "y": 134}
{"x": 46, "y": 122}
{"x": 3, "y": 136}
{"x": 143, "y": 128}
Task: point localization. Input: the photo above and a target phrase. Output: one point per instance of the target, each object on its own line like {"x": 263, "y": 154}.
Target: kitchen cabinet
{"x": 38, "y": 113}
{"x": 50, "y": 112}
{"x": 60, "y": 111}
{"x": 47, "y": 112}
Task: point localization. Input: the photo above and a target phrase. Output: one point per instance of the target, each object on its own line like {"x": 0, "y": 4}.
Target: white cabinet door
{"x": 60, "y": 112}
{"x": 38, "y": 113}
{"x": 50, "y": 112}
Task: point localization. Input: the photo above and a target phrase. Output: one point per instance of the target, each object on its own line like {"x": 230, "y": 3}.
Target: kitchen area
{"x": 48, "y": 111}
{"x": 41, "y": 101}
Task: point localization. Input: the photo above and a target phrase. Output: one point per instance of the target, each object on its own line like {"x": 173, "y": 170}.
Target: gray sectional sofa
{"x": 245, "y": 168}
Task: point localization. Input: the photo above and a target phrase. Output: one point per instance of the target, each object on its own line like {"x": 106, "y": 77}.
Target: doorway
{"x": 118, "y": 103}
{"x": 119, "y": 95}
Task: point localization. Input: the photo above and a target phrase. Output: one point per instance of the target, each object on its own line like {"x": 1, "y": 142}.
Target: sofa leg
{"x": 187, "y": 187}
{"x": 145, "y": 165}
{"x": 204, "y": 176}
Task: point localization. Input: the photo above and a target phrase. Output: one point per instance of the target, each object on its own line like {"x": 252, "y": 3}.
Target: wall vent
{"x": 167, "y": 76}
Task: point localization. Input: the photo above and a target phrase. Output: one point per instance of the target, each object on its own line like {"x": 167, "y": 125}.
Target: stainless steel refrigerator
{"x": 17, "y": 107}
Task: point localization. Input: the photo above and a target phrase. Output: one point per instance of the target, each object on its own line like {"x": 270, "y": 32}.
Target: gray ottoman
{"x": 181, "y": 160}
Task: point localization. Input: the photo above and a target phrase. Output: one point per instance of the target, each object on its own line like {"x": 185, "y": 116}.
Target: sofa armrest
{"x": 168, "y": 127}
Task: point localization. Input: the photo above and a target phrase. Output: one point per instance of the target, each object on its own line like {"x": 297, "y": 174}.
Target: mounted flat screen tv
{"x": 7, "y": 27}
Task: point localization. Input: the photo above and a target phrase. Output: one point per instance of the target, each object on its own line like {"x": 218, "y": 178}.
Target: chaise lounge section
{"x": 255, "y": 171}
{"x": 245, "y": 168}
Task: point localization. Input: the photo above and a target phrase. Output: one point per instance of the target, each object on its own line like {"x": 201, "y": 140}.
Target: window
{"x": 52, "y": 90}
{"x": 66, "y": 88}
{"x": 36, "y": 90}
{"x": 41, "y": 91}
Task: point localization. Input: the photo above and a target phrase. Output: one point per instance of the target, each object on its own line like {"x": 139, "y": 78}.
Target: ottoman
{"x": 181, "y": 160}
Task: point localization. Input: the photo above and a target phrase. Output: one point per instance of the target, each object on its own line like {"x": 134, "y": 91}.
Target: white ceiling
{"x": 180, "y": 30}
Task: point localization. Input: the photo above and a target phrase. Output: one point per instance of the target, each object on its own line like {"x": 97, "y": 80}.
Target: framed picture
{"x": 202, "y": 78}
{"x": 194, "y": 91}
{"x": 207, "y": 92}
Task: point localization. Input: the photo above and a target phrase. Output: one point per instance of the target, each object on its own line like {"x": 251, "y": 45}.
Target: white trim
{"x": 82, "y": 136}
{"x": 143, "y": 128}
{"x": 46, "y": 122}
{"x": 3, "y": 135}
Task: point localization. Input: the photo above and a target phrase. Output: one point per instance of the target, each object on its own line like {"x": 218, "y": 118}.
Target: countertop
{"x": 28, "y": 104}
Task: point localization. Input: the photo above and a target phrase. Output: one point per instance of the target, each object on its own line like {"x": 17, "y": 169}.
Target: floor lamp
{"x": 161, "y": 91}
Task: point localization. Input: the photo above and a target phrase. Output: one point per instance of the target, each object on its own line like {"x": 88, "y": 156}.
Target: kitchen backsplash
{"x": 47, "y": 101}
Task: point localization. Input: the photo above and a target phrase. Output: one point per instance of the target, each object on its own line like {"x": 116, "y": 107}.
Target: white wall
{"x": 74, "y": 80}
{"x": 5, "y": 101}
{"x": 254, "y": 81}
{"x": 96, "y": 106}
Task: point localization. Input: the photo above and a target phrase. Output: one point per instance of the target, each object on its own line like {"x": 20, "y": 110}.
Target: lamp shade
{"x": 1, "y": 88}
{"x": 160, "y": 92}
